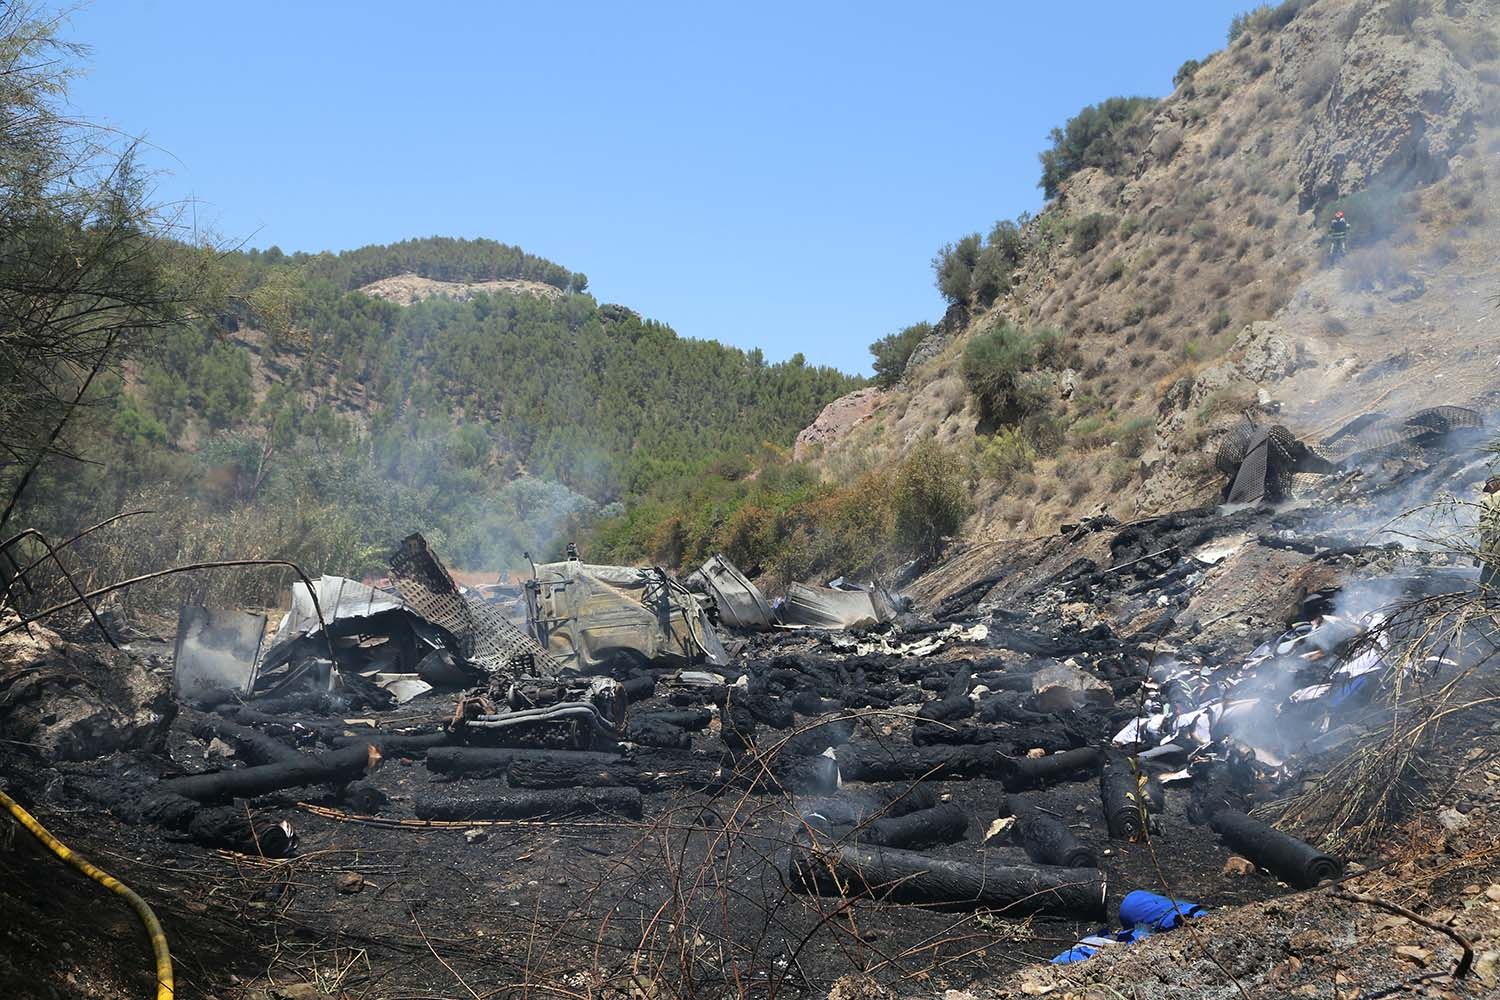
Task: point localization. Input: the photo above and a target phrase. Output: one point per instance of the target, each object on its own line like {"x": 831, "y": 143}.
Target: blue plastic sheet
{"x": 1160, "y": 913}
{"x": 1141, "y": 914}
{"x": 1090, "y": 946}
{"x": 1077, "y": 953}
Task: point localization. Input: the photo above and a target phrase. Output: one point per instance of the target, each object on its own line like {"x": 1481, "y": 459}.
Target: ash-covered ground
{"x": 780, "y": 838}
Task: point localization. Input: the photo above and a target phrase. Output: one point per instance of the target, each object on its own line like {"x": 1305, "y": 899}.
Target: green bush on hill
{"x": 954, "y": 267}
{"x": 1089, "y": 230}
{"x": 894, "y": 350}
{"x": 787, "y": 524}
{"x": 1000, "y": 369}
{"x": 1102, "y": 135}
{"x": 931, "y": 499}
{"x": 980, "y": 270}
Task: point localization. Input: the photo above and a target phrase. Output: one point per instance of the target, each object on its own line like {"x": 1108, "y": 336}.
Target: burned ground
{"x": 699, "y": 896}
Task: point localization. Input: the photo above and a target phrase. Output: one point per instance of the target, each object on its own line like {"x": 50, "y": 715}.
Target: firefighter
{"x": 1489, "y": 533}
{"x": 1338, "y": 236}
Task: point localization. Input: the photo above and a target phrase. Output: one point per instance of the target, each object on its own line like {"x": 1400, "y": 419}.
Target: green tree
{"x": 85, "y": 278}
{"x": 893, "y": 351}
{"x": 954, "y": 267}
{"x": 999, "y": 368}
{"x": 225, "y": 385}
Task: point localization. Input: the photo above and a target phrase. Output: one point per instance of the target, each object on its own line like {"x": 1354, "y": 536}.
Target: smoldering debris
{"x": 1008, "y": 750}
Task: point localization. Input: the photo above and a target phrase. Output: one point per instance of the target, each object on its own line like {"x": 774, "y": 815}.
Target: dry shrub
{"x": 1400, "y": 16}
{"x": 1317, "y": 80}
{"x": 1443, "y": 254}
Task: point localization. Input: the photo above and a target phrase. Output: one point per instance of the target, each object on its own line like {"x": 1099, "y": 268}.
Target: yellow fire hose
{"x": 114, "y": 885}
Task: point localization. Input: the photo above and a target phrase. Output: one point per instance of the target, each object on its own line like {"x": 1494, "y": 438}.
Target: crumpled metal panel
{"x": 1272, "y": 456}
{"x": 485, "y": 637}
{"x": 1376, "y": 436}
{"x": 591, "y": 615}
{"x": 338, "y": 597}
{"x": 1249, "y": 483}
{"x": 216, "y": 650}
{"x": 1354, "y": 426}
{"x": 1234, "y": 447}
{"x": 740, "y": 602}
{"x": 825, "y": 607}
{"x": 1444, "y": 419}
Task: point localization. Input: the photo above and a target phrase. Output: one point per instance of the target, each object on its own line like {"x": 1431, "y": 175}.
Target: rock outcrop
{"x": 1398, "y": 110}
{"x": 406, "y": 289}
{"x": 836, "y": 420}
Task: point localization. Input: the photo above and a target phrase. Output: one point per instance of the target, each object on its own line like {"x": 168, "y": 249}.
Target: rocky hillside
{"x": 1188, "y": 280}
{"x": 405, "y": 289}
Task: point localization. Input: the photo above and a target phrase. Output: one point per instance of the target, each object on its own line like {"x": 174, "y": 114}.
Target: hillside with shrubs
{"x": 1092, "y": 355}
{"x": 289, "y": 409}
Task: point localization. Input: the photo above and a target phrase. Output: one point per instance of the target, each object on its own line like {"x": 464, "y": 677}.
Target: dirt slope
{"x": 1209, "y": 291}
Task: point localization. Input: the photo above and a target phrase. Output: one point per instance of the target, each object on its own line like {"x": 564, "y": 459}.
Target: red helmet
{"x": 1338, "y": 215}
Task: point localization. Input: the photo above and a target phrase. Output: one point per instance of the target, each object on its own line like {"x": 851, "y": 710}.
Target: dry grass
{"x": 1441, "y": 650}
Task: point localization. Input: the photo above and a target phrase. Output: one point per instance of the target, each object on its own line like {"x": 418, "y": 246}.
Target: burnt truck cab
{"x": 595, "y": 618}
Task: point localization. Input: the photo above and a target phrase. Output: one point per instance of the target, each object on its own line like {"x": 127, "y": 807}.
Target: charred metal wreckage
{"x": 972, "y": 757}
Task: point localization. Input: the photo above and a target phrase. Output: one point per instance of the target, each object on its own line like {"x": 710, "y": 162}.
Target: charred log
{"x": 518, "y": 804}
{"x": 691, "y": 720}
{"x": 253, "y": 746}
{"x": 652, "y": 732}
{"x": 541, "y": 772}
{"x": 872, "y": 762}
{"x": 1047, "y": 839}
{"x": 896, "y": 876}
{"x": 234, "y": 828}
{"x": 1036, "y": 772}
{"x": 638, "y": 688}
{"x": 942, "y": 824}
{"x": 1122, "y": 791}
{"x": 1293, "y": 861}
{"x": 332, "y": 767}
{"x": 493, "y": 762}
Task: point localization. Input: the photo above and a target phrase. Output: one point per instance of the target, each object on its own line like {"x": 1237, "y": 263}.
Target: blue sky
{"x": 773, "y": 175}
